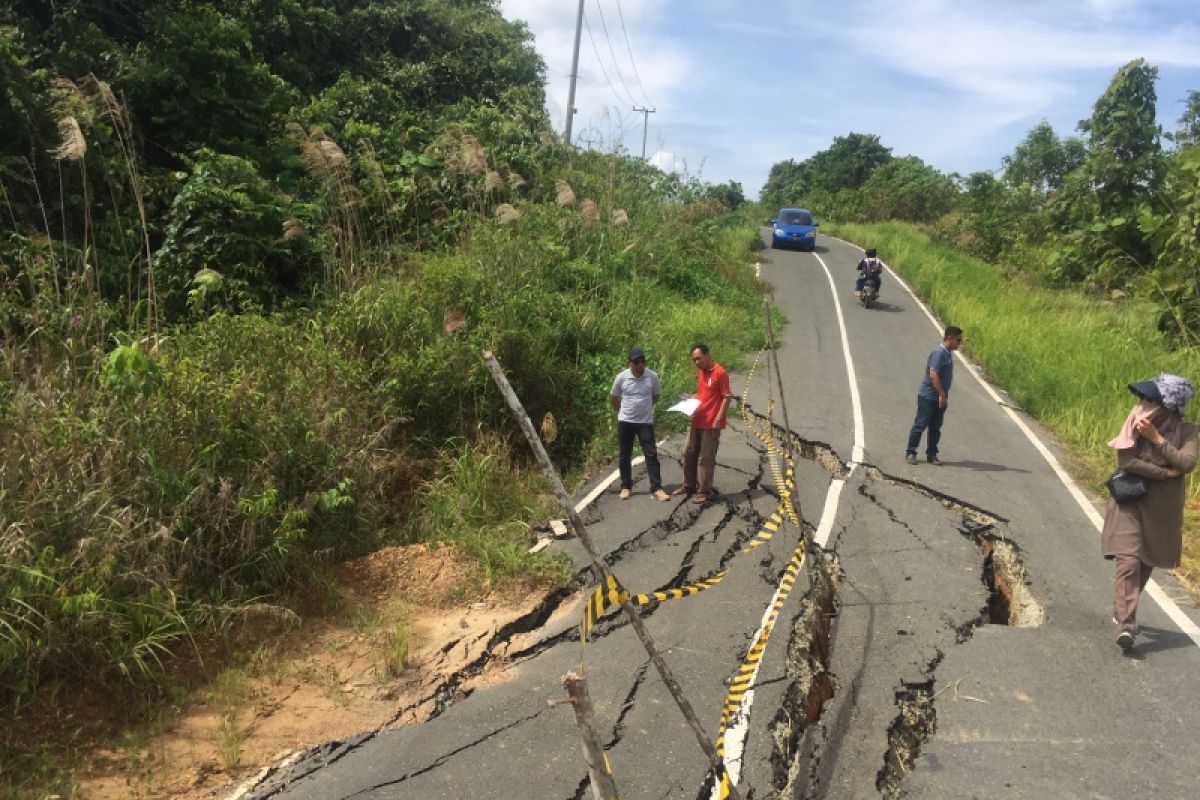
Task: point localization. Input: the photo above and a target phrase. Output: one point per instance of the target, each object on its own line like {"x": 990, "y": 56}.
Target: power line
{"x": 629, "y": 47}
{"x": 600, "y": 61}
{"x": 613, "y": 53}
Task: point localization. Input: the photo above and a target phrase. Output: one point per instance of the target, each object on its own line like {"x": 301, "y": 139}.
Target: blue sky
{"x": 739, "y": 86}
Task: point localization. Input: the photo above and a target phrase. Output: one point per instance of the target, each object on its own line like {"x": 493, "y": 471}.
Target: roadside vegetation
{"x": 251, "y": 255}
{"x": 1075, "y": 270}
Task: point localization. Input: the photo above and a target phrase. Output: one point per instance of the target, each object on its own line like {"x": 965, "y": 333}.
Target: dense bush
{"x": 151, "y": 493}
{"x": 241, "y": 337}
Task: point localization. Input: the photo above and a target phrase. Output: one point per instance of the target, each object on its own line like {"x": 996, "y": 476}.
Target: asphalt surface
{"x": 950, "y": 638}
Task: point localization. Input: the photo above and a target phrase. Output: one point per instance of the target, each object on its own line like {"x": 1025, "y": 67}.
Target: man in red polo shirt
{"x": 704, "y": 435}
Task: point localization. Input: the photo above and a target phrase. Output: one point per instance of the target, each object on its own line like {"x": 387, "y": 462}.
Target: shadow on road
{"x": 1157, "y": 640}
{"x": 983, "y": 466}
{"x": 879, "y": 305}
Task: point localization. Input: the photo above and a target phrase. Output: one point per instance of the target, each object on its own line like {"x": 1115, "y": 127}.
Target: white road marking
{"x": 607, "y": 482}
{"x": 1154, "y": 589}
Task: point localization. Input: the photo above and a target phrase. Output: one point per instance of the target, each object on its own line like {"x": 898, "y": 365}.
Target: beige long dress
{"x": 1152, "y": 528}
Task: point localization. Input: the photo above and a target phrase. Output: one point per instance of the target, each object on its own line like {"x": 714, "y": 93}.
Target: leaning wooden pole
{"x": 603, "y": 785}
{"x": 778, "y": 374}
{"x": 600, "y": 570}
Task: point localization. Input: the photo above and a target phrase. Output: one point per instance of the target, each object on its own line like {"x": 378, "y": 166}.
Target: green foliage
{"x": 857, "y": 178}
{"x": 1098, "y": 204}
{"x": 1124, "y": 159}
{"x": 846, "y": 165}
{"x": 129, "y": 372}
{"x": 1174, "y": 236}
{"x": 194, "y": 83}
{"x": 729, "y": 193}
{"x": 1041, "y": 160}
{"x": 143, "y": 94}
{"x": 907, "y": 189}
{"x": 227, "y": 217}
{"x": 482, "y": 502}
{"x": 1187, "y": 131}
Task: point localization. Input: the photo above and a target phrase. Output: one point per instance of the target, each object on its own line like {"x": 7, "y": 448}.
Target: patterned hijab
{"x": 1163, "y": 400}
{"x": 1176, "y": 391}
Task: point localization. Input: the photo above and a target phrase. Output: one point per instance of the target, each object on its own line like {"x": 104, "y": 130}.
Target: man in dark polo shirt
{"x": 933, "y": 397}
{"x": 708, "y": 420}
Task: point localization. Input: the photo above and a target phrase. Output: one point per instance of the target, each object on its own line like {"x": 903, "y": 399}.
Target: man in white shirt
{"x": 634, "y": 393}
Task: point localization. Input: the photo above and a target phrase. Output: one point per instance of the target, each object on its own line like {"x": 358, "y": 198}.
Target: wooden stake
{"x": 599, "y": 569}
{"x": 778, "y": 375}
{"x": 603, "y": 785}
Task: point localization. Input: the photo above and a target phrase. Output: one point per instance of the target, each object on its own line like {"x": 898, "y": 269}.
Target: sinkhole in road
{"x": 811, "y": 683}
{"x": 795, "y": 729}
{"x": 1010, "y": 601}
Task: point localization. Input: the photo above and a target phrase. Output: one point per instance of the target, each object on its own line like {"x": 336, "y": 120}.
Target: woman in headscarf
{"x": 1157, "y": 444}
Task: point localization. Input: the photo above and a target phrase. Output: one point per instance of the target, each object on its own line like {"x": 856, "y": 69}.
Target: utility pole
{"x": 574, "y": 73}
{"x": 645, "y": 112}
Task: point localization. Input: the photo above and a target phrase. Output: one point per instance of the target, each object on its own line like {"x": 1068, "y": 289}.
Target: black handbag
{"x": 1125, "y": 487}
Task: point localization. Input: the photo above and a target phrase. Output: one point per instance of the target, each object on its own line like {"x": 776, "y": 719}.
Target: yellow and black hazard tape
{"x": 607, "y": 595}
{"x": 763, "y": 430}
{"x": 744, "y": 678}
{"x": 611, "y": 593}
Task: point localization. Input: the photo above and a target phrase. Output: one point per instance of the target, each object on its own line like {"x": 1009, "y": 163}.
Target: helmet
{"x": 870, "y": 252}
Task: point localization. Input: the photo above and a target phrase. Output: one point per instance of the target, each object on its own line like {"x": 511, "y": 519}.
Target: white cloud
{"x": 740, "y": 86}
{"x": 1014, "y": 60}
{"x": 665, "y": 161}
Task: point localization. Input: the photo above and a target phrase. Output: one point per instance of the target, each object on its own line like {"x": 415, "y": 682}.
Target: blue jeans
{"x": 928, "y": 416}
{"x": 644, "y": 433}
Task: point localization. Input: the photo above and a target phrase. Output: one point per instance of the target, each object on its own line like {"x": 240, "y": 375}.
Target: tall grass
{"x": 483, "y": 501}
{"x": 1065, "y": 356}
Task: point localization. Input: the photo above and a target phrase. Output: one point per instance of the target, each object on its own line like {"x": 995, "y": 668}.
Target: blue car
{"x": 794, "y": 227}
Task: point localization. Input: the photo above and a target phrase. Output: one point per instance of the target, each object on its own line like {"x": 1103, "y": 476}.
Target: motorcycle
{"x": 868, "y": 294}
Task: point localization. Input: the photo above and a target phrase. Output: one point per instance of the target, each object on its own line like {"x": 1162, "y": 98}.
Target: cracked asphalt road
{"x": 885, "y": 675}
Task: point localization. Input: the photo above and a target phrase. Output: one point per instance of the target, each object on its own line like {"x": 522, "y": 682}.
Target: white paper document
{"x": 686, "y": 406}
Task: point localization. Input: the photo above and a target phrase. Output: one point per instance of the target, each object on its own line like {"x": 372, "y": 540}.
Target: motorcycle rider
{"x": 869, "y": 269}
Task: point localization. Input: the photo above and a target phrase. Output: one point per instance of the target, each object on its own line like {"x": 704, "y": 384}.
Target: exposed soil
{"x": 324, "y": 679}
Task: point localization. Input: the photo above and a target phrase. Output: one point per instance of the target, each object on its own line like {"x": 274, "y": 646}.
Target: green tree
{"x": 829, "y": 178}
{"x": 849, "y": 162}
{"x": 1188, "y": 130}
{"x": 1174, "y": 236}
{"x": 1042, "y": 160}
{"x": 1099, "y": 202}
{"x": 909, "y": 189}
{"x": 1124, "y": 160}
{"x": 195, "y": 82}
{"x": 729, "y": 193}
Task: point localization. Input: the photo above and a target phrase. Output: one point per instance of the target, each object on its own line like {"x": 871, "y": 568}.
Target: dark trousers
{"x": 861, "y": 281}
{"x": 644, "y": 433}
{"x": 930, "y": 416}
